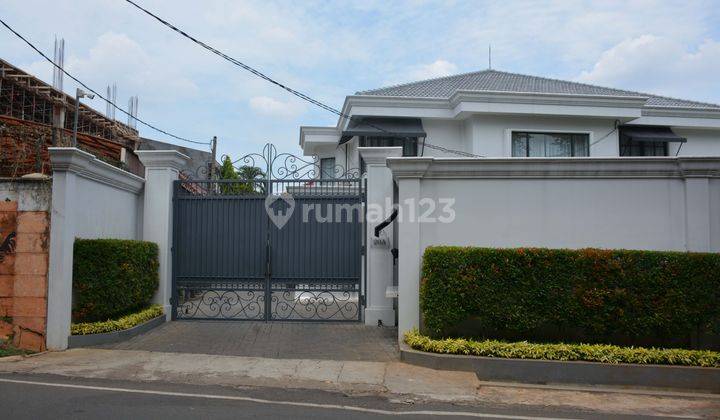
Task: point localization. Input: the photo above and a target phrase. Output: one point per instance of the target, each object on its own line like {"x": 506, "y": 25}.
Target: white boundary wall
{"x": 92, "y": 199}
{"x": 631, "y": 203}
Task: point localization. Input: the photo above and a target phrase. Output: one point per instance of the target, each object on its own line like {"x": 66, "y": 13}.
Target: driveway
{"x": 284, "y": 340}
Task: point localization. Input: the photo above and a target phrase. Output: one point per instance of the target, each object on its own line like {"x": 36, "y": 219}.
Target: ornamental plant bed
{"x": 579, "y": 364}
{"x": 111, "y": 331}
{"x": 602, "y": 353}
{"x": 114, "y": 325}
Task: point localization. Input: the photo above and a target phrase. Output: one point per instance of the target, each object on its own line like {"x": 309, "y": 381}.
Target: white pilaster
{"x": 410, "y": 248}
{"x": 379, "y": 258}
{"x": 161, "y": 169}
{"x": 65, "y": 163}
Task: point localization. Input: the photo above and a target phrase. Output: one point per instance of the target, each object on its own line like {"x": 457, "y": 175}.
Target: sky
{"x": 330, "y": 49}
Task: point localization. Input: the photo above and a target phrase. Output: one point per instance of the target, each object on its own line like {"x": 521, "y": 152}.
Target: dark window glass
{"x": 642, "y": 148}
{"x": 526, "y": 144}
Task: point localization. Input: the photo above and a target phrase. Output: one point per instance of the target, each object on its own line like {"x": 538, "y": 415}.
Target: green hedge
{"x": 112, "y": 277}
{"x": 588, "y": 352}
{"x": 112, "y": 325}
{"x": 607, "y": 296}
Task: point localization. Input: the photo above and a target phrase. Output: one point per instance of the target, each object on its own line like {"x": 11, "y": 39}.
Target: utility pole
{"x": 211, "y": 172}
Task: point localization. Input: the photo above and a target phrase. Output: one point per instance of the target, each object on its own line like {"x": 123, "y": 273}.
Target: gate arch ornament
{"x": 231, "y": 262}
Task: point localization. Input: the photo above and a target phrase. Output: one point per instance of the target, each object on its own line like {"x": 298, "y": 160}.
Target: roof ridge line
{"x": 555, "y": 80}
{"x": 360, "y": 92}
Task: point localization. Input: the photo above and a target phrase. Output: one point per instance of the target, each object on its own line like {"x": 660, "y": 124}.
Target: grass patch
{"x": 120, "y": 324}
{"x": 6, "y": 349}
{"x": 603, "y": 353}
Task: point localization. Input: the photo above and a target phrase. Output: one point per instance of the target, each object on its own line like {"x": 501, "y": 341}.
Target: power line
{"x": 617, "y": 124}
{"x": 30, "y": 44}
{"x": 267, "y": 78}
{"x": 237, "y": 62}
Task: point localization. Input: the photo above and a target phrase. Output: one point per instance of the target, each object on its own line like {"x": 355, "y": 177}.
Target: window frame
{"x": 508, "y": 149}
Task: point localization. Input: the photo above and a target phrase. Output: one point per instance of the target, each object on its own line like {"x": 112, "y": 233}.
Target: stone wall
{"x": 24, "y": 255}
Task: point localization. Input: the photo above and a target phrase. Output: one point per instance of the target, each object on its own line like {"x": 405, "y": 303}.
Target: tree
{"x": 251, "y": 175}
{"x": 247, "y": 178}
{"x": 227, "y": 171}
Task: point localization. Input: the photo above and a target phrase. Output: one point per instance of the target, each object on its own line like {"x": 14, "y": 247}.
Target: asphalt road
{"x": 51, "y": 397}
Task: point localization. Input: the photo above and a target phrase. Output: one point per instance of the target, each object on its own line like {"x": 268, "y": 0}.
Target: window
{"x": 327, "y": 168}
{"x": 409, "y": 145}
{"x": 527, "y": 144}
{"x": 642, "y": 148}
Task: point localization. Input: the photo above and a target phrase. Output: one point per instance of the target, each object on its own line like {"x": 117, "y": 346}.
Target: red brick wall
{"x": 23, "y": 276}
{"x": 19, "y": 147}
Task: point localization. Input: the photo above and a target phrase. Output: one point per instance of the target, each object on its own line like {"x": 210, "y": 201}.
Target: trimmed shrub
{"x": 588, "y": 352}
{"x": 112, "y": 277}
{"x": 590, "y": 295}
{"x": 123, "y": 323}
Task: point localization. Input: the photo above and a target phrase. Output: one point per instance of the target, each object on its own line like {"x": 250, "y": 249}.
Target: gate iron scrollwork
{"x": 230, "y": 262}
{"x": 286, "y": 166}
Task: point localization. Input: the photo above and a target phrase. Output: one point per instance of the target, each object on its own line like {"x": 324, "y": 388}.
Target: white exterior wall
{"x": 90, "y": 199}
{"x": 630, "y": 203}
{"x": 490, "y": 135}
{"x": 699, "y": 142}
{"x": 560, "y": 213}
{"x": 450, "y": 134}
{"x": 106, "y": 211}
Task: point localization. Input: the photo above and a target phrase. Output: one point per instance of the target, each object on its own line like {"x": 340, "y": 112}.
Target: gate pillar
{"x": 162, "y": 167}
{"x": 379, "y": 259}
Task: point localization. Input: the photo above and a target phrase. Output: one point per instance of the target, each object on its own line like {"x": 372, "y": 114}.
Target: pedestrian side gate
{"x": 280, "y": 243}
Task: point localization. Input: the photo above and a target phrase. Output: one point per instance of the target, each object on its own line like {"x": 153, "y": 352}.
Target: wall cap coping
{"x": 588, "y": 167}
{"x": 159, "y": 159}
{"x": 71, "y": 159}
{"x": 378, "y": 155}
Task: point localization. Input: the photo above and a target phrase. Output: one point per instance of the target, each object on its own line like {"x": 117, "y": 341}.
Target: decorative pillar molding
{"x": 162, "y": 167}
{"x": 68, "y": 165}
{"x": 697, "y": 172}
{"x": 379, "y": 274}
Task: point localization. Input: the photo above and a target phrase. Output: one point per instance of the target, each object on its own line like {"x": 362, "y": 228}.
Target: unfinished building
{"x": 34, "y": 116}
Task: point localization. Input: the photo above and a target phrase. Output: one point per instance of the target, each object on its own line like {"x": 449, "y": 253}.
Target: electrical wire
{"x": 95, "y": 92}
{"x": 617, "y": 124}
{"x": 269, "y": 79}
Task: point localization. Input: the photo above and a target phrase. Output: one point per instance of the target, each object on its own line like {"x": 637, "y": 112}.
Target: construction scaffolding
{"x": 35, "y": 115}
{"x": 28, "y": 98}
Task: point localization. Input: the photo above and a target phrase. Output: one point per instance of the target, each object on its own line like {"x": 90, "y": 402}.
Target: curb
{"x": 87, "y": 340}
{"x": 543, "y": 372}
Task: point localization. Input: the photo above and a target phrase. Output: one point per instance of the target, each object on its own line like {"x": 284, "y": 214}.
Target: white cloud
{"x": 659, "y": 65}
{"x": 437, "y": 68}
{"x": 273, "y": 107}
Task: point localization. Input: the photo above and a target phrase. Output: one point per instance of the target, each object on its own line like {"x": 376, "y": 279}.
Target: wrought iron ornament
{"x": 241, "y": 252}
{"x": 286, "y": 166}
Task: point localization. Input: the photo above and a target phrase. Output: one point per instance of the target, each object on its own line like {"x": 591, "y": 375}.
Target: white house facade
{"x": 496, "y": 114}
{"x": 525, "y": 162}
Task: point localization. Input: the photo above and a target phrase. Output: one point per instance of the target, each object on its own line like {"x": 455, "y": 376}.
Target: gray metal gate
{"x": 279, "y": 244}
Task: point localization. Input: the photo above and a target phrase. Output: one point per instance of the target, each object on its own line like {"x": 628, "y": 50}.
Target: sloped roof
{"x": 499, "y": 81}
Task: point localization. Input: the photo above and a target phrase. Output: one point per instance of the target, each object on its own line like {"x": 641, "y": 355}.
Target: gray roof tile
{"x": 498, "y": 81}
